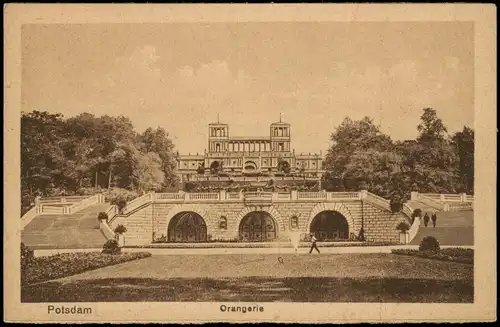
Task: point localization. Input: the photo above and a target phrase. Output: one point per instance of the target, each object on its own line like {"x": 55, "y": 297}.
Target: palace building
{"x": 235, "y": 155}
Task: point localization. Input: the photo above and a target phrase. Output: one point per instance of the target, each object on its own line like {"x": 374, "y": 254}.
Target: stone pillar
{"x": 414, "y": 196}
{"x": 441, "y": 197}
{"x": 363, "y": 194}
{"x": 222, "y": 195}
{"x": 463, "y": 197}
{"x": 293, "y": 195}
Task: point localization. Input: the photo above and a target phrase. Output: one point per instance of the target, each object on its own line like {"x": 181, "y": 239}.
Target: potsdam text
{"x": 74, "y": 310}
{"x": 241, "y": 308}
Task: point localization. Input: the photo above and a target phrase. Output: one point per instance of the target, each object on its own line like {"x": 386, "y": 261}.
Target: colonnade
{"x": 248, "y": 146}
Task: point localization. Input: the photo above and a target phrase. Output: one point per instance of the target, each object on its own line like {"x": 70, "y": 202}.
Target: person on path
{"x": 313, "y": 243}
{"x": 434, "y": 218}
{"x": 426, "y": 219}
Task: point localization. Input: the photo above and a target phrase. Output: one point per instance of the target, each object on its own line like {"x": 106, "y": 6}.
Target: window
{"x": 217, "y": 147}
{"x": 223, "y": 222}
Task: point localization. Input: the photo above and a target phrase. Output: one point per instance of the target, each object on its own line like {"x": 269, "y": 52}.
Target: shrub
{"x": 403, "y": 227}
{"x": 27, "y": 256}
{"x": 87, "y": 191}
{"x": 120, "y": 229}
{"x": 111, "y": 247}
{"x": 67, "y": 264}
{"x": 417, "y": 213}
{"x": 449, "y": 254}
{"x": 121, "y": 203}
{"x": 102, "y": 216}
{"x": 429, "y": 243}
{"x": 116, "y": 194}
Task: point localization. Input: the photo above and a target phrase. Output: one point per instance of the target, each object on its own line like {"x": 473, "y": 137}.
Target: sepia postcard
{"x": 189, "y": 163}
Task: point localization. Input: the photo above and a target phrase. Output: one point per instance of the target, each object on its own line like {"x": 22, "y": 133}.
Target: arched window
{"x": 294, "y": 222}
{"x": 223, "y": 222}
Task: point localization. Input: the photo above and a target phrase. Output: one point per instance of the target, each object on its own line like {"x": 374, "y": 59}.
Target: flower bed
{"x": 66, "y": 264}
{"x": 449, "y": 254}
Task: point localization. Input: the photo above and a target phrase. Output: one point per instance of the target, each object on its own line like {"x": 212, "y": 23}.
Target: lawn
{"x": 260, "y": 277}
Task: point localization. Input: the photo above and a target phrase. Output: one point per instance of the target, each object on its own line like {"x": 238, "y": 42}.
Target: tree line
{"x": 361, "y": 156}
{"x": 66, "y": 156}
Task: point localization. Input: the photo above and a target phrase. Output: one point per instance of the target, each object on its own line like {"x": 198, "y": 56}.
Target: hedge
{"x": 462, "y": 255}
{"x": 66, "y": 264}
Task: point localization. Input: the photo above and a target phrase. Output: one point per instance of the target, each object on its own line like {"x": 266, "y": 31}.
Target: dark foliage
{"x": 429, "y": 243}
{"x": 111, "y": 247}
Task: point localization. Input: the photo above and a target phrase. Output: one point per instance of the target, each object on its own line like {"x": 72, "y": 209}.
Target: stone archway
{"x": 258, "y": 226}
{"x": 271, "y": 210}
{"x": 200, "y": 209}
{"x": 187, "y": 227}
{"x": 332, "y": 206}
{"x": 329, "y": 226}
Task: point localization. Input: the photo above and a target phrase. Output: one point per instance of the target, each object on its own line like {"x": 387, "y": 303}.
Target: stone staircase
{"x": 452, "y": 228}
{"x": 415, "y": 204}
{"x": 76, "y": 230}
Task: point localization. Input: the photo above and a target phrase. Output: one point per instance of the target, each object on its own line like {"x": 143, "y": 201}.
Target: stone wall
{"x": 379, "y": 224}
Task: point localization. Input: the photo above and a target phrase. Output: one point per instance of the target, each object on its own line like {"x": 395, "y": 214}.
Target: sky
{"x": 180, "y": 76}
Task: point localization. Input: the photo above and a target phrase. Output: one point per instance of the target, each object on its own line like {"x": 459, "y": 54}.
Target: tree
{"x": 464, "y": 144}
{"x": 148, "y": 174}
{"x": 201, "y": 169}
{"x": 64, "y": 155}
{"x": 431, "y": 128}
{"x": 157, "y": 141}
{"x": 357, "y": 147}
{"x": 302, "y": 169}
{"x": 43, "y": 163}
{"x": 215, "y": 167}
{"x": 283, "y": 166}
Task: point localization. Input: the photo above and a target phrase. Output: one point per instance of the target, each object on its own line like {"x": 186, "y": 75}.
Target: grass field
{"x": 261, "y": 277}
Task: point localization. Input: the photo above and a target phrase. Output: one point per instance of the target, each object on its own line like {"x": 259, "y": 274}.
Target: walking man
{"x": 313, "y": 243}
{"x": 434, "y": 218}
{"x": 426, "y": 219}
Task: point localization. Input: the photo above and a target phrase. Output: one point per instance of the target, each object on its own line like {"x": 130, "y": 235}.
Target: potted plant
{"x": 120, "y": 230}
{"x": 102, "y": 217}
{"x": 403, "y": 228}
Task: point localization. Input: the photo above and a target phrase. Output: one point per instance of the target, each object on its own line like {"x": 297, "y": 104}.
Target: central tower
{"x": 280, "y": 137}
{"x": 218, "y": 137}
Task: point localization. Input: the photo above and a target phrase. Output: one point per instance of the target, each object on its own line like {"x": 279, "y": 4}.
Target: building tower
{"x": 280, "y": 136}
{"x": 218, "y": 137}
